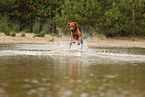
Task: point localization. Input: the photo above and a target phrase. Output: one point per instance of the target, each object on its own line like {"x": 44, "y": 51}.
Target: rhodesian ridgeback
{"x": 75, "y": 33}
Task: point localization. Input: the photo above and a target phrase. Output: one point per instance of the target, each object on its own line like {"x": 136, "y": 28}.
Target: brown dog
{"x": 75, "y": 33}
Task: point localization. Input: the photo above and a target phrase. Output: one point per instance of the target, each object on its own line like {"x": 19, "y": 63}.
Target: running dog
{"x": 75, "y": 34}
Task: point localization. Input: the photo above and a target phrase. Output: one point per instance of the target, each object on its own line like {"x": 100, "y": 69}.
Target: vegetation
{"x": 15, "y": 28}
{"x": 26, "y": 30}
{"x": 13, "y": 34}
{"x": 23, "y": 35}
{"x": 109, "y": 18}
{"x": 52, "y": 39}
{"x": 41, "y": 34}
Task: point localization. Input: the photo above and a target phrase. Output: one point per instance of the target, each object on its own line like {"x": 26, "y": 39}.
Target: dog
{"x": 75, "y": 34}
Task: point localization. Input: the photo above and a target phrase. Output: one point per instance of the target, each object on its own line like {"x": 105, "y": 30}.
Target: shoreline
{"x": 91, "y": 41}
{"x": 112, "y": 42}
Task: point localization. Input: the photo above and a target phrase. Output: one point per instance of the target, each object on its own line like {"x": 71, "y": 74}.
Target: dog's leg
{"x": 79, "y": 40}
{"x": 73, "y": 41}
{"x": 72, "y": 38}
{"x": 70, "y": 44}
{"x": 82, "y": 43}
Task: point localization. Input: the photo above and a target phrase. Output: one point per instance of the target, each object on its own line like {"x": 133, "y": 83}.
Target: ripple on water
{"x": 2, "y": 91}
{"x": 27, "y": 86}
{"x": 60, "y": 49}
{"x": 42, "y": 89}
{"x": 35, "y": 81}
{"x": 32, "y": 92}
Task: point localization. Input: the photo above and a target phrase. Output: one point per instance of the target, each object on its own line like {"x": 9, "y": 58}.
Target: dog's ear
{"x": 76, "y": 23}
{"x": 67, "y": 24}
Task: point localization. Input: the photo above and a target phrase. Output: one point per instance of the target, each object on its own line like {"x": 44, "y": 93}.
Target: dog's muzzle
{"x": 72, "y": 30}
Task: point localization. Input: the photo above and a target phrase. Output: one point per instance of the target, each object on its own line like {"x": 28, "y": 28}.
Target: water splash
{"x": 62, "y": 49}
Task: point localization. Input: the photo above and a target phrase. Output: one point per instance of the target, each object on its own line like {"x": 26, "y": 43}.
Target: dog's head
{"x": 72, "y": 25}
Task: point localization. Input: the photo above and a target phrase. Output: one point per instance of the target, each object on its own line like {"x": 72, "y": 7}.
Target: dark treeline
{"x": 108, "y": 17}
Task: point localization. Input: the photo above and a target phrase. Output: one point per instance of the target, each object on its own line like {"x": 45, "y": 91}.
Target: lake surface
{"x": 53, "y": 70}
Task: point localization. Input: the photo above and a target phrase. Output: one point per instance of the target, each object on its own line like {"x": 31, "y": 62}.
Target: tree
{"x": 111, "y": 17}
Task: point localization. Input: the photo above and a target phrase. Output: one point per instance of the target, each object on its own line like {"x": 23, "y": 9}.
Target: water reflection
{"x": 69, "y": 76}
{"x": 22, "y": 76}
{"x": 74, "y": 70}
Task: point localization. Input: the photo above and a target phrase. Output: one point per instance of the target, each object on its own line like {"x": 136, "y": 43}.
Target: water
{"x": 53, "y": 70}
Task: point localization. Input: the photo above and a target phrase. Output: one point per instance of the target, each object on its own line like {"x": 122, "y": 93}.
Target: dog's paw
{"x": 78, "y": 43}
{"x": 74, "y": 42}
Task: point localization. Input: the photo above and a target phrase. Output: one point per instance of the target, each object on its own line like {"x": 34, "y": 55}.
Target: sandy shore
{"x": 91, "y": 41}
{"x": 117, "y": 42}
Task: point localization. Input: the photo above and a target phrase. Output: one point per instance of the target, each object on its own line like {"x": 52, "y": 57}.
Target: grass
{"x": 53, "y": 34}
{"x": 117, "y": 38}
{"x": 101, "y": 36}
{"x": 13, "y": 34}
{"x": 23, "y": 35}
{"x": 36, "y": 28}
{"x": 8, "y": 34}
{"x": 133, "y": 39}
{"x": 16, "y": 28}
{"x": 52, "y": 39}
{"x": 26, "y": 31}
{"x": 7, "y": 30}
{"x": 45, "y": 28}
{"x": 42, "y": 34}
{"x": 85, "y": 36}
{"x": 4, "y": 22}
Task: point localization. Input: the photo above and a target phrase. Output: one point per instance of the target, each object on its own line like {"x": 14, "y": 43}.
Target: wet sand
{"x": 91, "y": 41}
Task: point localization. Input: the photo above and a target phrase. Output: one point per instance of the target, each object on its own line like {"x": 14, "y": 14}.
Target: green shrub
{"x": 13, "y": 34}
{"x": 8, "y": 34}
{"x": 117, "y": 38}
{"x": 7, "y": 30}
{"x": 16, "y": 28}
{"x": 23, "y": 35}
{"x": 133, "y": 39}
{"x": 4, "y": 25}
{"x": 53, "y": 34}
{"x": 26, "y": 30}
{"x": 36, "y": 28}
{"x": 41, "y": 34}
{"x": 52, "y": 39}
{"x": 101, "y": 36}
{"x": 45, "y": 28}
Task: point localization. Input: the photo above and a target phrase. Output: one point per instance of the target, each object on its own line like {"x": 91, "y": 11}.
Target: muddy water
{"x": 53, "y": 70}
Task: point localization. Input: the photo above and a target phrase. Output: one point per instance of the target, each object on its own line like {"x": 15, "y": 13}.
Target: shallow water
{"x": 53, "y": 70}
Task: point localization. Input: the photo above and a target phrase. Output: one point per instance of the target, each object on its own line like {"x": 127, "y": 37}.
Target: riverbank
{"x": 119, "y": 42}
{"x": 91, "y": 41}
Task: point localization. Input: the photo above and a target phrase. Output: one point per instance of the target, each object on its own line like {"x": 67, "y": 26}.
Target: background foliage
{"x": 108, "y": 17}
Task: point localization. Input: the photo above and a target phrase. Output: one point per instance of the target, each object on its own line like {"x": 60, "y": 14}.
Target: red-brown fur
{"x": 75, "y": 33}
